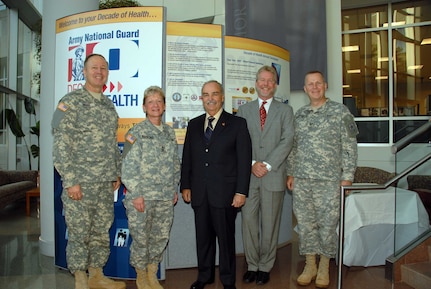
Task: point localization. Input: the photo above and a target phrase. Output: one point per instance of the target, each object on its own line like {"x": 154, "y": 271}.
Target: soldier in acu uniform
{"x": 151, "y": 173}
{"x": 86, "y": 156}
{"x": 322, "y": 160}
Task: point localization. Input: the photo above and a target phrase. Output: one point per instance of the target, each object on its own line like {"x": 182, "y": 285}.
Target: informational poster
{"x": 243, "y": 58}
{"x": 193, "y": 56}
{"x": 132, "y": 41}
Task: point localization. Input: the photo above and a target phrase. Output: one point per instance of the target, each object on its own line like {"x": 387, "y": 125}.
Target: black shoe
{"x": 200, "y": 285}
{"x": 229, "y": 287}
{"x": 197, "y": 285}
{"x": 249, "y": 276}
{"x": 262, "y": 277}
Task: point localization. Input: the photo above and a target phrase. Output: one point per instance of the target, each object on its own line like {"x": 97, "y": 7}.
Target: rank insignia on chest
{"x": 62, "y": 106}
{"x": 130, "y": 138}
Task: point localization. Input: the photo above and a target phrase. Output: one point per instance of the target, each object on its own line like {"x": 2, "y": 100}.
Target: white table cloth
{"x": 370, "y": 218}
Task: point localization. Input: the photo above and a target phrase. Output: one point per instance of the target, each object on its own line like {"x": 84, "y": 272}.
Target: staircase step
{"x": 417, "y": 275}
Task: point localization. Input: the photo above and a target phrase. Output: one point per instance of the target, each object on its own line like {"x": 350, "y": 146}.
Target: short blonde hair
{"x": 269, "y": 69}
{"x": 152, "y": 90}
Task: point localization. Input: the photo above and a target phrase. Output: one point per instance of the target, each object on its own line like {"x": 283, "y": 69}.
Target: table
{"x": 372, "y": 220}
{"x": 28, "y": 195}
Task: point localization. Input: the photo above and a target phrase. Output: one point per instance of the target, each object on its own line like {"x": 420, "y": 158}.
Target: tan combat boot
{"x": 142, "y": 279}
{"x": 81, "y": 280}
{"x": 99, "y": 281}
{"x": 322, "y": 280}
{"x": 152, "y": 276}
{"x": 310, "y": 271}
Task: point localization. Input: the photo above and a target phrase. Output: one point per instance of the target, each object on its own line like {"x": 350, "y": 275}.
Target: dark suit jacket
{"x": 219, "y": 168}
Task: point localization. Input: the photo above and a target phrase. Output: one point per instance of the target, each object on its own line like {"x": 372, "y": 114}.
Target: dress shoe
{"x": 229, "y": 287}
{"x": 200, "y": 285}
{"x": 197, "y": 285}
{"x": 262, "y": 277}
{"x": 249, "y": 276}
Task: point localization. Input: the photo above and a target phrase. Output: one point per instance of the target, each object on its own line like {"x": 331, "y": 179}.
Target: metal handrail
{"x": 366, "y": 188}
{"x": 405, "y": 141}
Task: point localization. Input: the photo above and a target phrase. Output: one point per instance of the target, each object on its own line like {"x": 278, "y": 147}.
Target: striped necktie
{"x": 209, "y": 129}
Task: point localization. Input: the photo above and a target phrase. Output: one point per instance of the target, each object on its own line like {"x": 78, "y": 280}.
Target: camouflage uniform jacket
{"x": 85, "y": 139}
{"x": 324, "y": 146}
{"x": 151, "y": 164}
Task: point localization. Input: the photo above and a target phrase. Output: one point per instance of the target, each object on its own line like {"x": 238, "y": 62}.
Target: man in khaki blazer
{"x": 271, "y": 144}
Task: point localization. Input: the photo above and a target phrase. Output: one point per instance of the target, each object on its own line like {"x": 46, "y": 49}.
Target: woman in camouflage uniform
{"x": 150, "y": 172}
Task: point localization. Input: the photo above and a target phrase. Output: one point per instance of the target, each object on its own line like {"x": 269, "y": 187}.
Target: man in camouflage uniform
{"x": 86, "y": 156}
{"x": 323, "y": 158}
{"x": 151, "y": 173}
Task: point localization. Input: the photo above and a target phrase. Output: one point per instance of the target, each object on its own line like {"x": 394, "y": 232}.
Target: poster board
{"x": 132, "y": 41}
{"x": 243, "y": 58}
{"x": 193, "y": 56}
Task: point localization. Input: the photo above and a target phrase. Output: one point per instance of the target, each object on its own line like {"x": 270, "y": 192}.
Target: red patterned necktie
{"x": 262, "y": 115}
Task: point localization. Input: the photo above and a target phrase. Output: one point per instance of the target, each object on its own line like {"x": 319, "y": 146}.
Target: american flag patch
{"x": 130, "y": 138}
{"x": 62, "y": 106}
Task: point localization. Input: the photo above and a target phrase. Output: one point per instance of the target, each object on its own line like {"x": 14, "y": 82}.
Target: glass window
{"x": 4, "y": 43}
{"x": 403, "y": 127}
{"x": 412, "y": 70}
{"x": 2, "y": 120}
{"x": 4, "y": 36}
{"x": 369, "y": 17}
{"x": 24, "y": 65}
{"x": 365, "y": 72}
{"x": 19, "y": 115}
{"x": 373, "y": 131}
{"x": 387, "y": 68}
{"x": 409, "y": 12}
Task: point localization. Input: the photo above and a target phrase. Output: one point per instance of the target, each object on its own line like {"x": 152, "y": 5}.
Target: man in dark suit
{"x": 215, "y": 178}
{"x": 270, "y": 124}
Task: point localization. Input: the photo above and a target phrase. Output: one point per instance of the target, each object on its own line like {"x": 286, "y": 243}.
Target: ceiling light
{"x": 350, "y": 71}
{"x": 350, "y": 48}
{"x": 346, "y": 85}
{"x": 426, "y": 41}
{"x": 398, "y": 23}
{"x": 411, "y": 67}
{"x": 381, "y": 77}
{"x": 347, "y": 95}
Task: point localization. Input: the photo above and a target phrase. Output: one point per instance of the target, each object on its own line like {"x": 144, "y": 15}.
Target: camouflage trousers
{"x": 149, "y": 230}
{"x": 316, "y": 205}
{"x": 88, "y": 222}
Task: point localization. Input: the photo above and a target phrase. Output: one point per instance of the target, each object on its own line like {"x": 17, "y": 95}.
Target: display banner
{"x": 193, "y": 56}
{"x": 243, "y": 58}
{"x": 132, "y": 41}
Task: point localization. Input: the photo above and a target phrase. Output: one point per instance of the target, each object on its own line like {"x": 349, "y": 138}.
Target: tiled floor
{"x": 22, "y": 267}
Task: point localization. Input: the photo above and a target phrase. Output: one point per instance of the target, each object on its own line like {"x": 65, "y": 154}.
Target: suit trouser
{"x": 212, "y": 223}
{"x": 261, "y": 217}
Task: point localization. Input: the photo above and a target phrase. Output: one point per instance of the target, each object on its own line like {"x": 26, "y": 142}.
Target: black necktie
{"x": 209, "y": 129}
